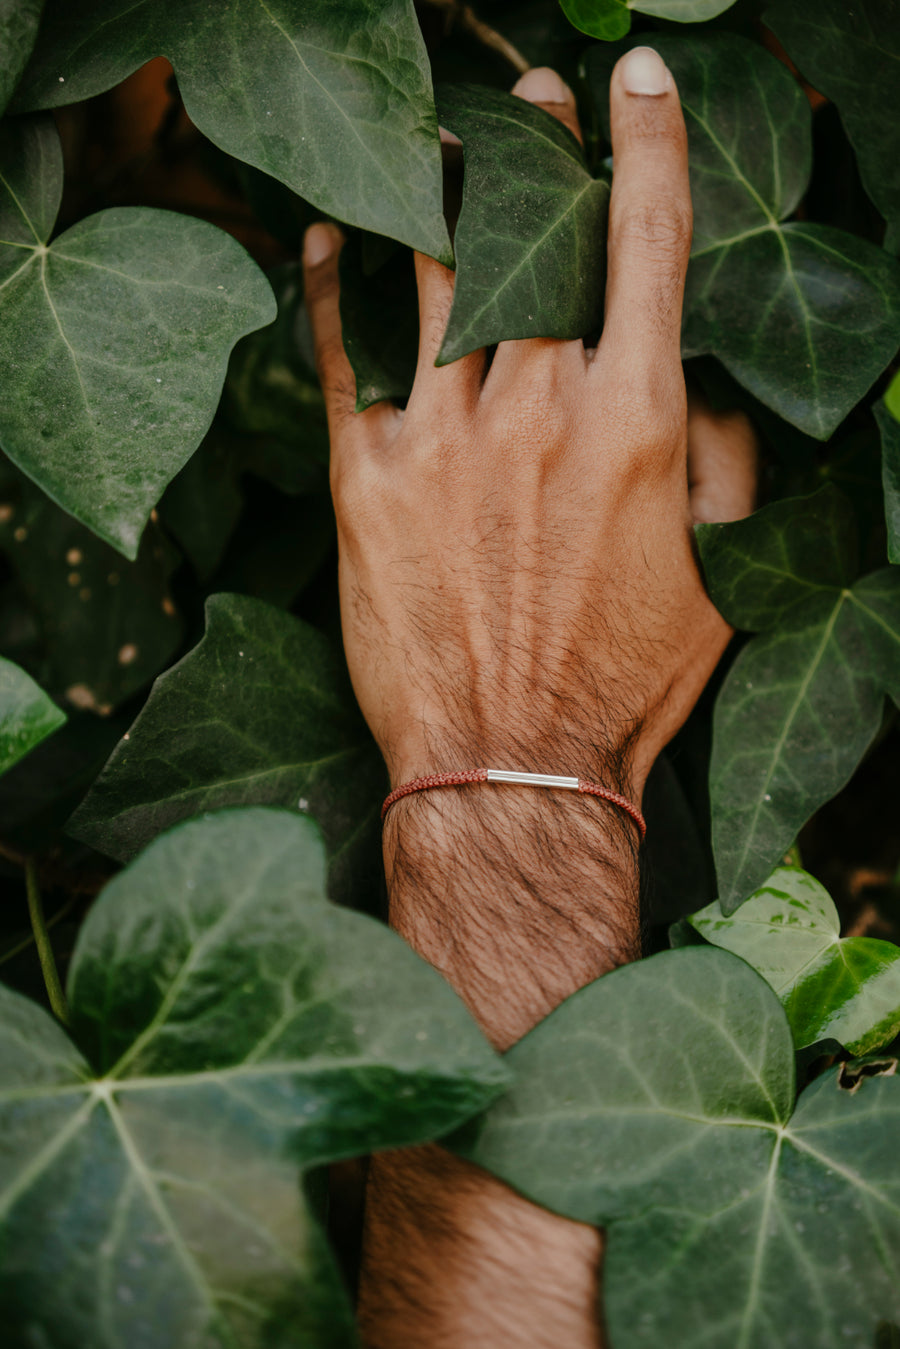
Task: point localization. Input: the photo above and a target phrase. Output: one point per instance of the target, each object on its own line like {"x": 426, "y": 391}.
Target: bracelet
{"x": 519, "y": 779}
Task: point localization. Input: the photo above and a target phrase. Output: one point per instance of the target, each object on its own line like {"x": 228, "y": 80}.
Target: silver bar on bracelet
{"x": 531, "y": 779}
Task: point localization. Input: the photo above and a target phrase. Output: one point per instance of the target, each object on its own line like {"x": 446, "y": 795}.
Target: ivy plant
{"x": 200, "y": 1007}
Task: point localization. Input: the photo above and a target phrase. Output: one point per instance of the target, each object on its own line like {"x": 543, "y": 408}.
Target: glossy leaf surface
{"x": 851, "y": 54}
{"x": 730, "y": 1221}
{"x": 259, "y": 713}
{"x": 333, "y": 100}
{"x": 114, "y": 339}
{"x": 803, "y": 315}
{"x": 832, "y": 987}
{"x": 27, "y": 715}
{"x": 18, "y": 28}
{"x": 237, "y": 1030}
{"x": 530, "y": 239}
{"x": 611, "y": 19}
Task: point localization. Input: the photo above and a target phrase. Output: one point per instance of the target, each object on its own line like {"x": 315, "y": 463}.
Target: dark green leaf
{"x": 113, "y": 339}
{"x": 877, "y": 601}
{"x": 797, "y": 711}
{"x": 892, "y": 397}
{"x": 530, "y": 238}
{"x": 851, "y": 54}
{"x": 238, "y": 1031}
{"x": 27, "y": 715}
{"x": 379, "y": 323}
{"x": 890, "y": 475}
{"x": 832, "y": 987}
{"x": 804, "y": 316}
{"x": 18, "y": 28}
{"x": 758, "y": 570}
{"x": 106, "y": 626}
{"x": 333, "y": 100}
{"x": 657, "y": 1102}
{"x": 259, "y": 713}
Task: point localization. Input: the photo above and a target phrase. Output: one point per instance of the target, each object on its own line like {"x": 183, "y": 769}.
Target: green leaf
{"x": 657, "y": 1102}
{"x": 611, "y": 19}
{"x": 113, "y": 339}
{"x": 238, "y": 1031}
{"x": 832, "y": 987}
{"x": 379, "y": 321}
{"x": 18, "y": 28}
{"x": 333, "y": 100}
{"x": 797, "y": 711}
{"x": 850, "y": 53}
{"x": 106, "y": 626}
{"x": 760, "y": 569}
{"x": 27, "y": 715}
{"x": 889, "y": 427}
{"x": 804, "y": 316}
{"x": 530, "y": 238}
{"x": 892, "y": 397}
{"x": 259, "y": 713}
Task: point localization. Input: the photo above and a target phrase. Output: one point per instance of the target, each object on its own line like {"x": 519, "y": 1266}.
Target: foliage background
{"x": 168, "y": 615}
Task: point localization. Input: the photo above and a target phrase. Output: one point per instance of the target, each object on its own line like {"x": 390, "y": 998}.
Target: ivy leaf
{"x": 760, "y": 569}
{"x": 832, "y": 987}
{"x": 850, "y": 53}
{"x": 18, "y": 28}
{"x": 890, "y": 475}
{"x": 803, "y": 701}
{"x": 27, "y": 715}
{"x": 236, "y": 1031}
{"x": 383, "y": 354}
{"x": 804, "y": 316}
{"x": 611, "y": 19}
{"x": 530, "y": 239}
{"x": 259, "y": 713}
{"x": 333, "y": 100}
{"x": 113, "y": 339}
{"x": 106, "y": 626}
{"x": 751, "y": 1226}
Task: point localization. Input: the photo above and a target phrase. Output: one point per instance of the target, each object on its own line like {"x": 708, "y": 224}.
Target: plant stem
{"x": 42, "y": 942}
{"x": 466, "y": 17}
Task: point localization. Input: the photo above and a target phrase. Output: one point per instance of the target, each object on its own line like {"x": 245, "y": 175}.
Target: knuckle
{"x": 660, "y": 228}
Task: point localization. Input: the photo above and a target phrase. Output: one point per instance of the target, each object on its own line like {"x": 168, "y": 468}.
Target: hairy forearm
{"x": 519, "y": 897}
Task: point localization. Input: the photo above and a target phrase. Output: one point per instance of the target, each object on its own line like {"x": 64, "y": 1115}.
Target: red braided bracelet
{"x": 521, "y": 779}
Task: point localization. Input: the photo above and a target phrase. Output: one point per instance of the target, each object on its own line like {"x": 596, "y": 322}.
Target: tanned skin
{"x": 519, "y": 590}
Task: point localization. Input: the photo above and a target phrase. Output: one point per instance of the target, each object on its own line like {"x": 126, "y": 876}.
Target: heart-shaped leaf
{"x": 27, "y": 715}
{"x": 657, "y": 1102}
{"x": 850, "y": 53}
{"x": 803, "y": 701}
{"x": 541, "y": 273}
{"x": 832, "y": 987}
{"x": 333, "y": 100}
{"x": 889, "y": 427}
{"x": 611, "y": 19}
{"x": 114, "y": 339}
{"x": 259, "y": 713}
{"x": 804, "y": 316}
{"x": 18, "y": 28}
{"x": 237, "y": 1030}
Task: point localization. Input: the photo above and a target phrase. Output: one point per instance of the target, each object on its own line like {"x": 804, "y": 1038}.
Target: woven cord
{"x": 481, "y": 775}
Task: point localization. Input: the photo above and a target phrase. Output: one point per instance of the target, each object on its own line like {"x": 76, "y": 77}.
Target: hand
{"x": 518, "y": 582}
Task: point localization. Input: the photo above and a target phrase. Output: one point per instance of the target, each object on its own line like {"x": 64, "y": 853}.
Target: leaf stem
{"x": 466, "y": 17}
{"x": 42, "y": 942}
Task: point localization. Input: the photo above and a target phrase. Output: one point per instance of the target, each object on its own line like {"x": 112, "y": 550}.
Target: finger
{"x": 649, "y": 215}
{"x": 545, "y": 89}
{"x": 321, "y": 252}
{"x": 723, "y": 462}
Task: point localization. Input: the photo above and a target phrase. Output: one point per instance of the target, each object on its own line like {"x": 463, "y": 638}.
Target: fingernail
{"x": 645, "y": 72}
{"x": 542, "y": 85}
{"x": 447, "y": 137}
{"x": 319, "y": 243}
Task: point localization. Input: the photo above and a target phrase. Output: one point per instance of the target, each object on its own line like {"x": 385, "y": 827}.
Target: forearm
{"x": 519, "y": 897}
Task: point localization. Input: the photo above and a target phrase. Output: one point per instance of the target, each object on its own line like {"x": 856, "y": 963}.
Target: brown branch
{"x": 468, "y": 20}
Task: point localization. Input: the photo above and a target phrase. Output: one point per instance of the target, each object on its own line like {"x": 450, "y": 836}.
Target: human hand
{"x": 518, "y": 582}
